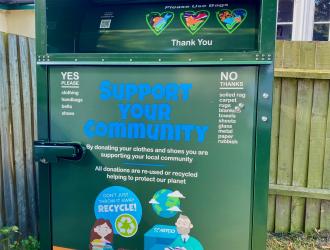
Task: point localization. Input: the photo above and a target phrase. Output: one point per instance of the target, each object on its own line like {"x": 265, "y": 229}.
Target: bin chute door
{"x": 169, "y": 149}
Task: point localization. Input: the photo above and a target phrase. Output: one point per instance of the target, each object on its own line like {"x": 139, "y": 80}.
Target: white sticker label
{"x": 105, "y": 23}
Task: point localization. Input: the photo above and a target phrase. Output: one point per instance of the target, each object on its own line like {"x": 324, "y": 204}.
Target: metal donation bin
{"x": 154, "y": 123}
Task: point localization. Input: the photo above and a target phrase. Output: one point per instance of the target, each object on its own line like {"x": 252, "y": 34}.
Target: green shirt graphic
{"x": 190, "y": 244}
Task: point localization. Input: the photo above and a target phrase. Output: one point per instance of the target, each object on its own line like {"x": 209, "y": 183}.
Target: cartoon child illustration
{"x": 184, "y": 241}
{"x": 101, "y": 235}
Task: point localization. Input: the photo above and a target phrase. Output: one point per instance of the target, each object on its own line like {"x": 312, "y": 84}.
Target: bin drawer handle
{"x": 53, "y": 152}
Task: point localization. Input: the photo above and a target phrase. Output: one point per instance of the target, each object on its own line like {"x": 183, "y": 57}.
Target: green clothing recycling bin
{"x": 154, "y": 123}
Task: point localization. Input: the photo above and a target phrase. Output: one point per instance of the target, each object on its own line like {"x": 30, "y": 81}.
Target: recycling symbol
{"x": 126, "y": 225}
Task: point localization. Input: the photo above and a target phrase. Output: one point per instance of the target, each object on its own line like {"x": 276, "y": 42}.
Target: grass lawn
{"x": 299, "y": 241}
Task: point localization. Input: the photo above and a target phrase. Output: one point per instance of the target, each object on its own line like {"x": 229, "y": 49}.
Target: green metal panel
{"x": 242, "y": 191}
{"x": 17, "y": 6}
{"x": 155, "y": 59}
{"x": 267, "y": 27}
{"x": 136, "y": 33}
{"x": 63, "y": 19}
{"x": 262, "y": 154}
{"x": 44, "y": 173}
{"x": 45, "y": 233}
{"x": 228, "y": 166}
{"x": 41, "y": 27}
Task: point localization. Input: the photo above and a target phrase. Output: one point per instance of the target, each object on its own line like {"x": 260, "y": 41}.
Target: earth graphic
{"x": 165, "y": 206}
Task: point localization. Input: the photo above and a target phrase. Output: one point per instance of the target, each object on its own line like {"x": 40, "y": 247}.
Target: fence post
{"x": 302, "y": 134}
{"x": 18, "y": 127}
{"x": 6, "y": 143}
{"x": 316, "y": 153}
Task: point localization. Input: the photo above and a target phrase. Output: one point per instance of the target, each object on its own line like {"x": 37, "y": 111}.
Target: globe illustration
{"x": 164, "y": 204}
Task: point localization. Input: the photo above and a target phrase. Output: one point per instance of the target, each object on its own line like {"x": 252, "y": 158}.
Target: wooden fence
{"x": 300, "y": 152}
{"x": 18, "y": 187}
{"x": 300, "y": 157}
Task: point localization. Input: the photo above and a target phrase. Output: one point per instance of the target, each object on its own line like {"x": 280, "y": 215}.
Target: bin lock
{"x": 52, "y": 152}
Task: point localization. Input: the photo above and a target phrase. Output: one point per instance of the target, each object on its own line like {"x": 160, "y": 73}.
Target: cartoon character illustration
{"x": 232, "y": 19}
{"x": 193, "y": 20}
{"x": 224, "y": 15}
{"x": 184, "y": 241}
{"x": 159, "y": 22}
{"x": 229, "y": 19}
{"x": 101, "y": 235}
